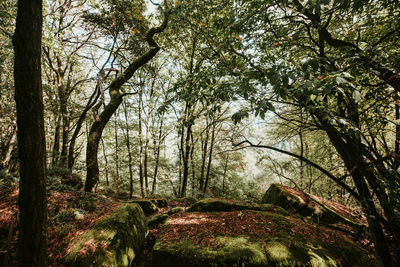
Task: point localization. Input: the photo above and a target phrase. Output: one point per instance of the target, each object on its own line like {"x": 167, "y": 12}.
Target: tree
{"x": 116, "y": 96}
{"x": 31, "y": 138}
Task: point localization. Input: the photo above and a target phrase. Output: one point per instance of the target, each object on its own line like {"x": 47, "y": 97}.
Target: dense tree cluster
{"x": 163, "y": 98}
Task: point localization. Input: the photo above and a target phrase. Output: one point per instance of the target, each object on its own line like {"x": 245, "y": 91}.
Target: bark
{"x": 96, "y": 130}
{"x": 32, "y": 227}
{"x": 224, "y": 175}
{"x": 185, "y": 147}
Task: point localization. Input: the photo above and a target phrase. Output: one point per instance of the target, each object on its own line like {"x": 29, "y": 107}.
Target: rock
{"x": 78, "y": 214}
{"x": 157, "y": 219}
{"x": 159, "y": 202}
{"x": 184, "y": 201}
{"x": 147, "y": 206}
{"x": 175, "y": 210}
{"x": 114, "y": 240}
{"x": 72, "y": 180}
{"x": 212, "y": 205}
{"x": 296, "y": 201}
{"x": 252, "y": 238}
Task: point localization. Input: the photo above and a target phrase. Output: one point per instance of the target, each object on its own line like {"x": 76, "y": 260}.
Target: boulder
{"x": 175, "y": 210}
{"x": 296, "y": 201}
{"x": 72, "y": 180}
{"x": 159, "y": 202}
{"x": 147, "y": 206}
{"x": 114, "y": 240}
{"x": 252, "y": 238}
{"x": 213, "y": 205}
{"x": 157, "y": 219}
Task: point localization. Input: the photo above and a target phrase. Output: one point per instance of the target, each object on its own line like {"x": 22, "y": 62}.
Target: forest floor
{"x": 71, "y": 213}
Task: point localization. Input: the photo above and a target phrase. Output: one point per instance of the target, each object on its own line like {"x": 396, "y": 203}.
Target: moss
{"x": 175, "y": 210}
{"x": 157, "y": 219}
{"x": 232, "y": 251}
{"x": 147, "y": 206}
{"x": 114, "y": 240}
{"x": 278, "y": 196}
{"x": 159, "y": 202}
{"x": 212, "y": 205}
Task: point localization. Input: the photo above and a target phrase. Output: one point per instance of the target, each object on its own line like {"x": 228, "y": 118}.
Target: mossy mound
{"x": 296, "y": 201}
{"x": 114, "y": 240}
{"x": 215, "y": 205}
{"x": 183, "y": 201}
{"x": 159, "y": 202}
{"x": 175, "y": 210}
{"x": 157, "y": 219}
{"x": 252, "y": 238}
{"x": 147, "y": 206}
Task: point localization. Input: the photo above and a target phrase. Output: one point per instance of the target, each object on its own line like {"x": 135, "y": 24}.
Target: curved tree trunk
{"x": 32, "y": 227}
{"x": 96, "y": 130}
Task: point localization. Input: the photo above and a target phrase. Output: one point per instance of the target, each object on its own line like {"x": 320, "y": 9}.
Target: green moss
{"x": 215, "y": 205}
{"x": 147, "y": 206}
{"x": 232, "y": 251}
{"x": 157, "y": 219}
{"x": 113, "y": 241}
{"x": 159, "y": 202}
{"x": 175, "y": 210}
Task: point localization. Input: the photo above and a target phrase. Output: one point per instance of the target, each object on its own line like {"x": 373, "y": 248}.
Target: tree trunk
{"x": 116, "y": 180}
{"x": 128, "y": 146}
{"x": 56, "y": 145}
{"x": 106, "y": 161}
{"x": 10, "y": 147}
{"x": 203, "y": 158}
{"x": 157, "y": 155}
{"x": 140, "y": 145}
{"x": 209, "y": 158}
{"x": 96, "y": 130}
{"x": 186, "y": 151}
{"x": 32, "y": 227}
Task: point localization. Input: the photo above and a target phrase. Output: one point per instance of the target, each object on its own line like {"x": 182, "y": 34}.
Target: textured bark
{"x": 210, "y": 155}
{"x": 32, "y": 245}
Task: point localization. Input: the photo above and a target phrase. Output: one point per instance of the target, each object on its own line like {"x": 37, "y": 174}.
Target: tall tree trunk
{"x": 157, "y": 154}
{"x": 142, "y": 189}
{"x": 186, "y": 150}
{"x": 116, "y": 180}
{"x": 106, "y": 161}
{"x": 32, "y": 227}
{"x": 96, "y": 130}
{"x": 145, "y": 160}
{"x": 56, "y": 145}
{"x": 128, "y": 146}
{"x": 192, "y": 164}
{"x": 224, "y": 175}
{"x": 210, "y": 155}
{"x": 10, "y": 147}
{"x": 203, "y": 158}
{"x": 92, "y": 100}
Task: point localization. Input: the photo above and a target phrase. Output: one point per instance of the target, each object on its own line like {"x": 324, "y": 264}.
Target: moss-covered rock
{"x": 147, "y": 206}
{"x": 212, "y": 205}
{"x": 157, "y": 219}
{"x": 252, "y": 238}
{"x": 278, "y": 196}
{"x": 183, "y": 201}
{"x": 305, "y": 205}
{"x": 175, "y": 210}
{"x": 114, "y": 240}
{"x": 159, "y": 202}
